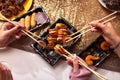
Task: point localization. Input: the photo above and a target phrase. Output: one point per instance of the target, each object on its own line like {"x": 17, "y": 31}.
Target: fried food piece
{"x": 104, "y": 45}
{"x": 51, "y": 38}
{"x": 13, "y": 9}
{"x": 27, "y": 22}
{"x": 6, "y": 13}
{"x": 53, "y": 32}
{"x": 60, "y": 38}
{"x": 19, "y": 7}
{"x": 67, "y": 37}
{"x": 22, "y": 21}
{"x": 62, "y": 32}
{"x": 89, "y": 59}
{"x": 33, "y": 20}
{"x": 60, "y": 26}
{"x": 50, "y": 45}
{"x": 60, "y": 50}
{"x": 42, "y": 43}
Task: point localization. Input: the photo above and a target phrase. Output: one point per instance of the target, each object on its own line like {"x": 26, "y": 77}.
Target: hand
{"x": 73, "y": 62}
{"x": 107, "y": 31}
{"x": 5, "y": 73}
{"x": 9, "y": 32}
{"x": 78, "y": 72}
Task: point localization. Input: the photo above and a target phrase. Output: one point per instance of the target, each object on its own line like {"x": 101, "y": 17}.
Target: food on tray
{"x": 22, "y": 21}
{"x": 60, "y": 26}
{"x": 27, "y": 22}
{"x": 33, "y": 20}
{"x": 42, "y": 43}
{"x": 11, "y": 7}
{"x": 112, "y": 4}
{"x": 104, "y": 45}
{"x": 89, "y": 59}
{"x": 59, "y": 49}
{"x": 59, "y": 34}
{"x": 53, "y": 32}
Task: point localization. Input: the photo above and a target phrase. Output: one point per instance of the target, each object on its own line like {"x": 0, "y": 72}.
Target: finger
{"x": 7, "y": 26}
{"x": 22, "y": 26}
{"x": 75, "y": 64}
{"x": 70, "y": 61}
{"x": 14, "y": 30}
{"x": 96, "y": 24}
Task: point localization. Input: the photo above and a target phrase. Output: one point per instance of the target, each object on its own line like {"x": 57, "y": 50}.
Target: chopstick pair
{"x": 67, "y": 54}
{"x": 24, "y": 31}
{"x": 87, "y": 26}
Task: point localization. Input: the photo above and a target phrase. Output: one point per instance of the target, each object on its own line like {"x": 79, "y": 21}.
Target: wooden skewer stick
{"x": 107, "y": 16}
{"x": 90, "y": 29}
{"x": 33, "y": 34}
{"x": 87, "y": 26}
{"x": 85, "y": 66}
{"x": 21, "y": 30}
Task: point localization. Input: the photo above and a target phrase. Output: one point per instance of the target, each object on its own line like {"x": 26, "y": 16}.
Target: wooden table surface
{"x": 78, "y": 13}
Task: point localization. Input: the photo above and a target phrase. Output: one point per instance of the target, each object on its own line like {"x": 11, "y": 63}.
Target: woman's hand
{"x": 78, "y": 72}
{"x": 5, "y": 73}
{"x": 9, "y": 32}
{"x": 107, "y": 31}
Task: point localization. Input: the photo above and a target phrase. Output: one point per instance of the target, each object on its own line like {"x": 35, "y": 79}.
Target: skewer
{"x": 87, "y": 26}
{"x": 21, "y": 30}
{"x": 90, "y": 29}
{"x": 59, "y": 48}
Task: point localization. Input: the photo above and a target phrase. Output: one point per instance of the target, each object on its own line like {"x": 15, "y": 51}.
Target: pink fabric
{"x": 81, "y": 74}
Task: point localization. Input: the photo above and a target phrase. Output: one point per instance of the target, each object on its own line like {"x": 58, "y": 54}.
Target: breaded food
{"x": 89, "y": 59}
{"x": 104, "y": 45}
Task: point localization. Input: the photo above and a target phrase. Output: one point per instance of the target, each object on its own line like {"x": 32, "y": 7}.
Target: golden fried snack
{"x": 60, "y": 38}
{"x": 50, "y": 45}
{"x": 22, "y": 21}
{"x": 89, "y": 59}
{"x": 53, "y": 32}
{"x": 51, "y": 38}
{"x": 27, "y": 22}
{"x": 60, "y": 26}
{"x": 104, "y": 45}
{"x": 65, "y": 38}
{"x": 42, "y": 43}
{"x": 62, "y": 32}
{"x": 33, "y": 20}
{"x": 60, "y": 50}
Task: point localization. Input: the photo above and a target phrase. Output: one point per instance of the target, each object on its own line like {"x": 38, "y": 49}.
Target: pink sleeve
{"x": 81, "y": 74}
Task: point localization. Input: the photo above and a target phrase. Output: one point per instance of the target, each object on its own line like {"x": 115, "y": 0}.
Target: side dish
{"x": 11, "y": 7}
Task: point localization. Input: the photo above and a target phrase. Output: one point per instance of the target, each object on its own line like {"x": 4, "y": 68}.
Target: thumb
{"x": 97, "y": 24}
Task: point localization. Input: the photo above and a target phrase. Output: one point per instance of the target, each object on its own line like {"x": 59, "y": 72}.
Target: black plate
{"x": 95, "y": 50}
{"x": 38, "y": 9}
{"x": 50, "y": 55}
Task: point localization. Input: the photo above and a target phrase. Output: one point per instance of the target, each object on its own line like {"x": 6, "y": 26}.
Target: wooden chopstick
{"x": 85, "y": 66}
{"x": 21, "y": 30}
{"x": 90, "y": 29}
{"x": 87, "y": 26}
{"x": 33, "y": 34}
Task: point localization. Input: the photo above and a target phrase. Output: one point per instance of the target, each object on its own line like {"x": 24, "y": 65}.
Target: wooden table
{"x": 78, "y": 13}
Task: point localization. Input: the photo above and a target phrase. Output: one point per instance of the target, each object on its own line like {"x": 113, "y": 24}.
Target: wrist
{"x": 115, "y": 42}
